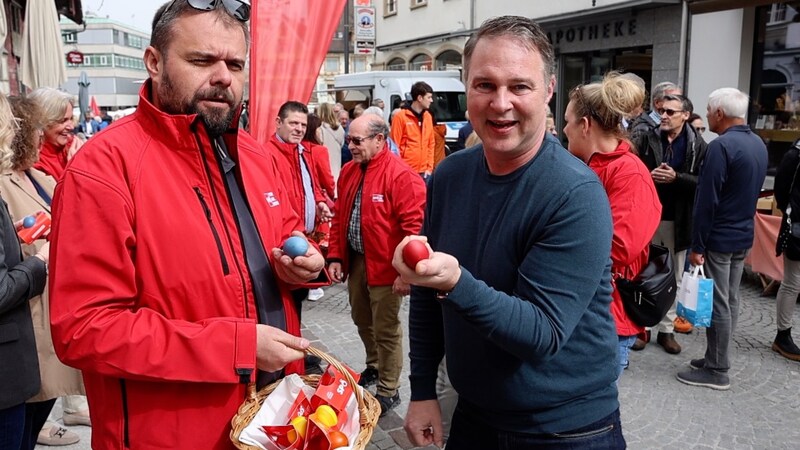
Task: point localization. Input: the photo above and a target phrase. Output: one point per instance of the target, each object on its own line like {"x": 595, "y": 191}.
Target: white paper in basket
{"x": 275, "y": 410}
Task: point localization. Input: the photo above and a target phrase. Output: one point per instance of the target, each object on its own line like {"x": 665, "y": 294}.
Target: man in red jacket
{"x": 381, "y": 200}
{"x": 299, "y": 168}
{"x": 168, "y": 287}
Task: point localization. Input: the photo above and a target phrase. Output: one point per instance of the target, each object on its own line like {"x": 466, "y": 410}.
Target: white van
{"x": 394, "y": 87}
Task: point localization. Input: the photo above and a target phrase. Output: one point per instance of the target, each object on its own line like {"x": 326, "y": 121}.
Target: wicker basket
{"x": 368, "y": 407}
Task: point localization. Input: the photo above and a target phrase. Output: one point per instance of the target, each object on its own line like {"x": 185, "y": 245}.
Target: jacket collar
{"x": 601, "y": 159}
{"x": 171, "y": 129}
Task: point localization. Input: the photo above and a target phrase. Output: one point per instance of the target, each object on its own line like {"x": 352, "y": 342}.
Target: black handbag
{"x": 648, "y": 296}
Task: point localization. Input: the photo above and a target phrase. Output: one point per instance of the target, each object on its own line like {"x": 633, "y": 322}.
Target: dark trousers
{"x": 469, "y": 432}
{"x": 36, "y": 414}
{"x": 12, "y": 427}
{"x": 299, "y": 296}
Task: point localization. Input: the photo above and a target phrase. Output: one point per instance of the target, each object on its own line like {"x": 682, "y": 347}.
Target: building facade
{"x": 702, "y": 45}
{"x": 342, "y": 46}
{"x": 112, "y": 59}
{"x": 12, "y": 46}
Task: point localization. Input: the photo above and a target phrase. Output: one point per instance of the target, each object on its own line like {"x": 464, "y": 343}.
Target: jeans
{"x": 12, "y": 427}
{"x": 625, "y": 344}
{"x": 787, "y": 293}
{"x": 726, "y": 271}
{"x": 469, "y": 432}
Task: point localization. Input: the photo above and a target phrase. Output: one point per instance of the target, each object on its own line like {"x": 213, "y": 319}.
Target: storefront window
{"x": 776, "y": 79}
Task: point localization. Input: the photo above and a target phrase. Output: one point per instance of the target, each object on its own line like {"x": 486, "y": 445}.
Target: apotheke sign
{"x": 606, "y": 30}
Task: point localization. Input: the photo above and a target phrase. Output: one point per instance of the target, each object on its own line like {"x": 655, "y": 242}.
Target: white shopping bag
{"x": 696, "y": 297}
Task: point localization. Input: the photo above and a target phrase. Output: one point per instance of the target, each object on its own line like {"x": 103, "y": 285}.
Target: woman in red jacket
{"x": 593, "y": 118}
{"x": 59, "y": 144}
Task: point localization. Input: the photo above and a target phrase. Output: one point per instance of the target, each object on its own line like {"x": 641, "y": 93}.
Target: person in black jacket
{"x": 19, "y": 282}
{"x": 787, "y": 195}
{"x": 673, "y": 152}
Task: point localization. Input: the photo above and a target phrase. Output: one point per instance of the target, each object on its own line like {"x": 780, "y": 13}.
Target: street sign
{"x": 75, "y": 57}
{"x": 365, "y": 24}
{"x": 365, "y": 47}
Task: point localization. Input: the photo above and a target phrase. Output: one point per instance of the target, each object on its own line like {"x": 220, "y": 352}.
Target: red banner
{"x": 290, "y": 39}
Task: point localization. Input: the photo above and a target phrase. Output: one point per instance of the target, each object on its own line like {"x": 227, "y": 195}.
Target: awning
{"x": 578, "y": 16}
{"x": 71, "y": 9}
{"x": 42, "y": 63}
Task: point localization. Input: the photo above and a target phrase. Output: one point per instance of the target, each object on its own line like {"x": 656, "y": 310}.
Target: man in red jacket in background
{"x": 299, "y": 166}
{"x": 381, "y": 200}
{"x": 169, "y": 289}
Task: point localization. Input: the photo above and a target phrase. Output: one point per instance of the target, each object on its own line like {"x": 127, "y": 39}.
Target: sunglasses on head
{"x": 670, "y": 112}
{"x": 356, "y": 140}
{"x": 240, "y": 9}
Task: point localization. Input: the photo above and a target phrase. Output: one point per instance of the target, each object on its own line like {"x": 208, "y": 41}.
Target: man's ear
{"x": 154, "y": 63}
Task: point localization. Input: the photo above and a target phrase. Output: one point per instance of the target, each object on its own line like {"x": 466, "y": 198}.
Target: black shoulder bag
{"x": 648, "y": 296}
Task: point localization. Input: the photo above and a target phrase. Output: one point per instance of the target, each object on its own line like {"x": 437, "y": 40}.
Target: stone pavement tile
{"x": 758, "y": 412}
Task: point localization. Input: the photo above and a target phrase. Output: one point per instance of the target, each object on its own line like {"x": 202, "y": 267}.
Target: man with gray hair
{"x": 381, "y": 200}
{"x": 673, "y": 151}
{"x": 727, "y": 191}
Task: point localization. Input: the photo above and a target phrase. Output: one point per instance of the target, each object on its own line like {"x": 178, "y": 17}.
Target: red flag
{"x": 93, "y": 106}
{"x": 289, "y": 42}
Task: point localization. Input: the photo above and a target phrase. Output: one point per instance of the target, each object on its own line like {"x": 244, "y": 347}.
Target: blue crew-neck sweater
{"x": 730, "y": 180}
{"x": 529, "y": 337}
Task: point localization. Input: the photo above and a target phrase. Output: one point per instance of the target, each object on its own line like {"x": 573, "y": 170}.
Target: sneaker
{"x": 54, "y": 434}
{"x": 315, "y": 294}
{"x": 698, "y": 363}
{"x": 368, "y": 377}
{"x": 667, "y": 340}
{"x": 682, "y": 325}
{"x": 705, "y": 378}
{"x": 387, "y": 403}
{"x": 78, "y": 418}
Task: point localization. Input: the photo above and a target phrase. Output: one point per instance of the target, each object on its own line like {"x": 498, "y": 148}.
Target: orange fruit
{"x": 338, "y": 439}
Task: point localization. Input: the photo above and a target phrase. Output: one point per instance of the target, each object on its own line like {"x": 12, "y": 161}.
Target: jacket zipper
{"x": 207, "y": 211}
{"x": 126, "y": 438}
{"x": 219, "y": 211}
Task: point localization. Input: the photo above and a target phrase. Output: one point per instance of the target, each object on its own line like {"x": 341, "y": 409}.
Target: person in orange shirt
{"x": 412, "y": 130}
{"x": 439, "y": 132}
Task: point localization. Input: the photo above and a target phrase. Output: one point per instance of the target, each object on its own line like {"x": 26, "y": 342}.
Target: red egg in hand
{"x": 414, "y": 252}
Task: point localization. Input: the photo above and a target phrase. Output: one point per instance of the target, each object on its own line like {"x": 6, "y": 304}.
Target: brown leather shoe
{"x": 682, "y": 325}
{"x": 641, "y": 341}
{"x": 667, "y": 340}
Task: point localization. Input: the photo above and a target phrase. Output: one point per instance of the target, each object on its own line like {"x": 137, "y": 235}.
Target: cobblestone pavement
{"x": 760, "y": 411}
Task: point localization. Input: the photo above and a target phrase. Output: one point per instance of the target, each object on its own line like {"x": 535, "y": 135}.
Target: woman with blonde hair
{"x": 59, "y": 144}
{"x": 29, "y": 191}
{"x": 21, "y": 279}
{"x": 593, "y": 129}
{"x": 332, "y": 137}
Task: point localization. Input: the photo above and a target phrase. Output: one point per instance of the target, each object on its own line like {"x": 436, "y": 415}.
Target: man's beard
{"x": 216, "y": 120}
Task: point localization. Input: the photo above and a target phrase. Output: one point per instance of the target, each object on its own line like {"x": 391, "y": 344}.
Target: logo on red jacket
{"x": 377, "y": 198}
{"x": 271, "y": 200}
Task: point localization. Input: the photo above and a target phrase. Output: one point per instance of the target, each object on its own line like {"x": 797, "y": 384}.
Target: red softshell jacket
{"x": 150, "y": 295}
{"x": 392, "y": 207}
{"x": 289, "y": 163}
{"x": 636, "y": 213}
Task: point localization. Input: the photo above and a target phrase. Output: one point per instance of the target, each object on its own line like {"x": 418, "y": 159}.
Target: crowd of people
{"x": 180, "y": 295}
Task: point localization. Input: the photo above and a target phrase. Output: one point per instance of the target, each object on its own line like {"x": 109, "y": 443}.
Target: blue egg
{"x": 28, "y": 221}
{"x": 295, "y": 246}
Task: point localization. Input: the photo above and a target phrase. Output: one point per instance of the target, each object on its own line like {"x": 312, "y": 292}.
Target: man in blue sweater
{"x": 727, "y": 191}
{"x": 517, "y": 295}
